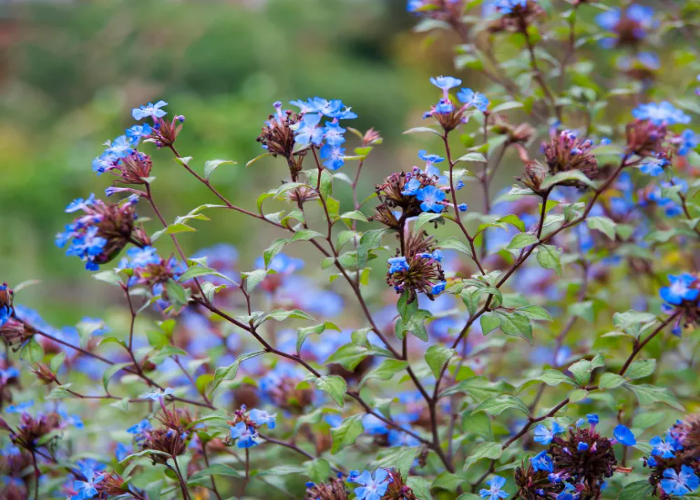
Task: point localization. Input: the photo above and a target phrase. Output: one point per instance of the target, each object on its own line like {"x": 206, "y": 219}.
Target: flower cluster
{"x": 446, "y": 113}
{"x": 245, "y": 425}
{"x": 675, "y": 460}
{"x": 104, "y": 229}
{"x": 575, "y": 466}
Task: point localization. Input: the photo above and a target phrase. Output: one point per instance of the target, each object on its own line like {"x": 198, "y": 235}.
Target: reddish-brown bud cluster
{"x": 398, "y": 490}
{"x": 645, "y": 139}
{"x": 419, "y": 270}
{"x": 133, "y": 169}
{"x": 277, "y": 137}
{"x": 567, "y": 152}
{"x": 334, "y": 489}
{"x": 516, "y": 134}
{"x": 391, "y": 194}
{"x": 164, "y": 133}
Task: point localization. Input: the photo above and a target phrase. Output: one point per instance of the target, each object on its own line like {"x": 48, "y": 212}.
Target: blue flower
{"x": 438, "y": 288}
{"x": 508, "y": 6}
{"x": 462, "y": 207}
{"x": 476, "y": 99}
{"x": 653, "y": 166}
{"x": 86, "y": 489}
{"x": 542, "y": 461}
{"x": 680, "y": 289}
{"x": 158, "y": 394}
{"x": 592, "y": 418}
{"x": 495, "y": 491}
{"x": 260, "y": 417}
{"x": 307, "y": 131}
{"x": 445, "y": 82}
{"x": 411, "y": 187}
{"x": 680, "y": 483}
{"x": 400, "y": 438}
{"x": 244, "y": 435}
{"x": 444, "y": 106}
{"x": 334, "y": 156}
{"x": 374, "y": 426}
{"x": 431, "y": 198}
{"x": 139, "y": 429}
{"x": 104, "y": 162}
{"x": 136, "y": 132}
{"x": 545, "y": 436}
{"x": 122, "y": 147}
{"x": 689, "y": 141}
{"x": 80, "y": 204}
{"x": 333, "y": 134}
{"x": 431, "y": 159}
{"x": 624, "y": 435}
{"x": 665, "y": 448}
{"x": 281, "y": 264}
{"x": 140, "y": 257}
{"x": 397, "y": 264}
{"x": 122, "y": 451}
{"x": 372, "y": 488}
{"x": 663, "y": 113}
{"x": 19, "y": 407}
{"x": 582, "y": 446}
{"x": 87, "y": 247}
{"x": 10, "y": 372}
{"x": 149, "y": 110}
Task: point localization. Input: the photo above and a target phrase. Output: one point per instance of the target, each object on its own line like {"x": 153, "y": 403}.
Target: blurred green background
{"x": 70, "y": 73}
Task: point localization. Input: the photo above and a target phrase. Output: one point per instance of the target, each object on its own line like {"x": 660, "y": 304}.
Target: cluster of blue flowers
{"x": 126, "y": 144}
{"x": 468, "y": 98}
{"x": 329, "y": 137}
{"x": 371, "y": 487}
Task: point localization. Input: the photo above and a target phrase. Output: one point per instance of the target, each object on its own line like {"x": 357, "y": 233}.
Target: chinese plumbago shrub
{"x": 537, "y": 341}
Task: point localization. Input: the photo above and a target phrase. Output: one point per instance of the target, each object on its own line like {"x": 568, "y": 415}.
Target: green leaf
{"x": 226, "y": 373}
{"x": 420, "y": 487}
{"x": 110, "y": 277}
{"x": 522, "y": 240}
{"x": 535, "y": 312}
{"x": 109, "y": 373}
{"x": 514, "y": 220}
{"x": 346, "y": 433}
{"x": 60, "y": 392}
{"x": 334, "y": 385}
{"x": 582, "y": 371}
{"x": 354, "y": 215}
{"x": 319, "y": 470}
{"x": 57, "y": 361}
{"x": 583, "y": 310}
{"x": 483, "y": 450}
{"x": 405, "y": 308}
{"x": 566, "y": 177}
{"x": 212, "y": 165}
{"x": 636, "y": 491}
{"x": 506, "y": 106}
{"x": 437, "y": 356}
{"x": 303, "y": 333}
{"x": 489, "y": 322}
{"x": 548, "y": 258}
{"x": 282, "y": 315}
{"x": 254, "y": 278}
{"x": 555, "y": 377}
{"x": 144, "y": 453}
{"x": 177, "y": 295}
{"x": 32, "y": 351}
{"x": 611, "y": 381}
{"x": 305, "y": 235}
{"x": 472, "y": 157}
{"x": 454, "y": 244}
{"x": 418, "y": 130}
{"x": 400, "y": 457}
{"x": 641, "y": 368}
{"x": 214, "y": 470}
{"x": 270, "y": 252}
{"x": 386, "y": 370}
{"x": 498, "y": 404}
{"x": 649, "y": 394}
{"x": 197, "y": 271}
{"x": 349, "y": 356}
{"x": 369, "y": 241}
{"x": 602, "y": 224}
{"x": 515, "y": 324}
{"x": 578, "y": 395}
{"x": 425, "y": 218}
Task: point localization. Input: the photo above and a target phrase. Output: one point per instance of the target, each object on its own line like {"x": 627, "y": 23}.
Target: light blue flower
{"x": 334, "y": 156}
{"x": 244, "y": 435}
{"x": 663, "y": 113}
{"x": 495, "y": 492}
{"x": 261, "y": 417}
{"x": 307, "y": 131}
{"x": 680, "y": 289}
{"x": 542, "y": 461}
{"x": 431, "y": 198}
{"x": 397, "y": 264}
{"x": 149, "y": 109}
{"x": 373, "y": 488}
{"x": 476, "y": 99}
